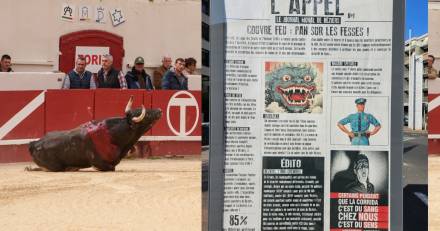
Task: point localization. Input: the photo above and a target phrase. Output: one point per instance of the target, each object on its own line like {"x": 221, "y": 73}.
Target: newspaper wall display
{"x": 307, "y": 111}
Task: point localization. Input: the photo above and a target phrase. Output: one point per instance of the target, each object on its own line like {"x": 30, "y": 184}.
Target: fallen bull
{"x": 100, "y": 144}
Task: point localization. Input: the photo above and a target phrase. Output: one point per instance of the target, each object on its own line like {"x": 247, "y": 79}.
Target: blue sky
{"x": 416, "y": 17}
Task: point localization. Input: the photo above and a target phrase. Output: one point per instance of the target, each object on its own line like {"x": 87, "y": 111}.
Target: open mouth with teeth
{"x": 296, "y": 95}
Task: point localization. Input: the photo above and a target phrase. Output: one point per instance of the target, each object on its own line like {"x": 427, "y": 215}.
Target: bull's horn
{"x": 128, "y": 107}
{"x": 141, "y": 117}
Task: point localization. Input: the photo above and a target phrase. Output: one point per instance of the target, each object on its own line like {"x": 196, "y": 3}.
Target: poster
{"x": 359, "y": 190}
{"x": 307, "y": 84}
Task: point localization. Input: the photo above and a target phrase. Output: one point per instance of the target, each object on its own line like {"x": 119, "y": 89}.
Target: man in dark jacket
{"x": 79, "y": 78}
{"x": 137, "y": 78}
{"x": 174, "y": 79}
{"x": 109, "y": 77}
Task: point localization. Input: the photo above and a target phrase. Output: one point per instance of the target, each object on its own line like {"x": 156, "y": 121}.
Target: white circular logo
{"x": 182, "y": 103}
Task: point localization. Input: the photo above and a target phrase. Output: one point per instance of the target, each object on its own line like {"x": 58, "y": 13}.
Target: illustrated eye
{"x": 286, "y": 78}
{"x": 307, "y": 78}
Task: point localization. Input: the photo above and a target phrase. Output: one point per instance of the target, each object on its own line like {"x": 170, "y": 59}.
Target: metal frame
{"x": 217, "y": 109}
{"x": 396, "y": 149}
{"x": 216, "y": 116}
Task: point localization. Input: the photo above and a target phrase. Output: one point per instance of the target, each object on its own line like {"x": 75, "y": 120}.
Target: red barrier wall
{"x": 66, "y": 109}
{"x": 171, "y": 121}
{"x": 32, "y": 125}
{"x": 39, "y": 113}
{"x": 433, "y": 125}
{"x": 111, "y": 103}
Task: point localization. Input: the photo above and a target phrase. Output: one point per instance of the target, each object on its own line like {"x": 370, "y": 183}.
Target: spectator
{"x": 137, "y": 78}
{"x": 109, "y": 77}
{"x": 160, "y": 71}
{"x": 174, "y": 79}
{"x": 190, "y": 66}
{"x": 5, "y": 64}
{"x": 432, "y": 72}
{"x": 79, "y": 78}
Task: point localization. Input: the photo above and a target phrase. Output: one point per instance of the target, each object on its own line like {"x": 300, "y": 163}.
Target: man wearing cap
{"x": 137, "y": 78}
{"x": 361, "y": 170}
{"x": 360, "y": 124}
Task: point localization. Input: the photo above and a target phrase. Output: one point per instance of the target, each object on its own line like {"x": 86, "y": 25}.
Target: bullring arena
{"x": 160, "y": 190}
{"x": 142, "y": 194}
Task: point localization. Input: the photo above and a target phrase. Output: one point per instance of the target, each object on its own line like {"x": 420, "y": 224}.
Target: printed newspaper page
{"x": 307, "y": 96}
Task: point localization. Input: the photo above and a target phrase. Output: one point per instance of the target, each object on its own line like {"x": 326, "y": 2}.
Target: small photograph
{"x": 359, "y": 121}
{"x": 292, "y": 87}
{"x": 359, "y": 171}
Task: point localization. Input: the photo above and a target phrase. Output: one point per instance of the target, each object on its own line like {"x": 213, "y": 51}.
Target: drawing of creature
{"x": 293, "y": 87}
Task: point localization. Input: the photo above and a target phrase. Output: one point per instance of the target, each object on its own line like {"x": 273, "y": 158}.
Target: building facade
{"x": 149, "y": 28}
{"x": 417, "y": 46}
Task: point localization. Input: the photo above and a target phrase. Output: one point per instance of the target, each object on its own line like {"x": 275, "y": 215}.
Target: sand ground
{"x": 434, "y": 192}
{"x": 143, "y": 194}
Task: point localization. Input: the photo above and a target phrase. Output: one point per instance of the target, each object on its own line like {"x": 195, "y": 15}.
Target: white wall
{"x": 31, "y": 31}
{"x": 434, "y": 31}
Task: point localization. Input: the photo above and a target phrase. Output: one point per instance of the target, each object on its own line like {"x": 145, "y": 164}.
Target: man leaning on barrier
{"x": 160, "y": 71}
{"x": 79, "y": 77}
{"x": 174, "y": 79}
{"x": 108, "y": 76}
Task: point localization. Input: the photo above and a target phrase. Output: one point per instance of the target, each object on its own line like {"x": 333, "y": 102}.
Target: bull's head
{"x": 141, "y": 118}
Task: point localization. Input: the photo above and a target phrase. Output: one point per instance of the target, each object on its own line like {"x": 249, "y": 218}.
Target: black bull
{"x": 100, "y": 144}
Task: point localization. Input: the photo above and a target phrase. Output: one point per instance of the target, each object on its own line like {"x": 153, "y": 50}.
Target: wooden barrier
{"x": 27, "y": 115}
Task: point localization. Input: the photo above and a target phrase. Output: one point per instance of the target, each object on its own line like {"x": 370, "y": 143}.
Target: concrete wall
{"x": 434, "y": 31}
{"x": 31, "y": 31}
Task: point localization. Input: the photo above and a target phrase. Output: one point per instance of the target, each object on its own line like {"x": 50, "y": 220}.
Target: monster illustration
{"x": 293, "y": 87}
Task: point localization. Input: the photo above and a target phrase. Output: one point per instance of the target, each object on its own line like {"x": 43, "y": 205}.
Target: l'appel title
{"x": 302, "y": 7}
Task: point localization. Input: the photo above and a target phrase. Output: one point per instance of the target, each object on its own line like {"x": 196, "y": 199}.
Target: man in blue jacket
{"x": 174, "y": 79}
{"x": 137, "y": 78}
